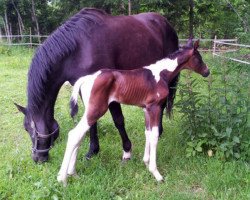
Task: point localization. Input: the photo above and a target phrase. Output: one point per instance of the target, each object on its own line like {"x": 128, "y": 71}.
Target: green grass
{"x": 105, "y": 176}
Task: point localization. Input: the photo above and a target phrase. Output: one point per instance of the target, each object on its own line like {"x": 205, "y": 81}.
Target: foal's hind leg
{"x": 75, "y": 137}
{"x": 116, "y": 112}
{"x": 161, "y": 118}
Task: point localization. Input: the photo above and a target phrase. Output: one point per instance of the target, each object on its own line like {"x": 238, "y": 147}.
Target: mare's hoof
{"x": 126, "y": 155}
{"x": 124, "y": 161}
{"x": 90, "y": 154}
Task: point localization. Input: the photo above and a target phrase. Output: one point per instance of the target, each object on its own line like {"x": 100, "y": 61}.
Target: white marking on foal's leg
{"x": 72, "y": 163}
{"x": 75, "y": 137}
{"x": 147, "y": 148}
{"x": 154, "y": 135}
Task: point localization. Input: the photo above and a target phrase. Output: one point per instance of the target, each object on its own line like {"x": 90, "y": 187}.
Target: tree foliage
{"x": 226, "y": 18}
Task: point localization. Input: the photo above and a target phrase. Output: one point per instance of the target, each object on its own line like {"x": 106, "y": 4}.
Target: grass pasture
{"x": 105, "y": 176}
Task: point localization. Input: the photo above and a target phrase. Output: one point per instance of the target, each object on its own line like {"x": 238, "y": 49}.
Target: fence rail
{"x": 215, "y": 46}
{"x": 231, "y": 47}
{"x": 22, "y": 40}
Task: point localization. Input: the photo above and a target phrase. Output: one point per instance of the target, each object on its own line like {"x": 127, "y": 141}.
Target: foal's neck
{"x": 170, "y": 66}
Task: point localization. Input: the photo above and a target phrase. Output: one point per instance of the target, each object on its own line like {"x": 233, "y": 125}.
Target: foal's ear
{"x": 196, "y": 44}
{"x": 21, "y": 108}
{"x": 189, "y": 43}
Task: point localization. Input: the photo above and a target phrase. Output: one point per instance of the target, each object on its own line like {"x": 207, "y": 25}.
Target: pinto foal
{"x": 146, "y": 87}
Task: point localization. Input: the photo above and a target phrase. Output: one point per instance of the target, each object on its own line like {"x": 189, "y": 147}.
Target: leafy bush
{"x": 215, "y": 115}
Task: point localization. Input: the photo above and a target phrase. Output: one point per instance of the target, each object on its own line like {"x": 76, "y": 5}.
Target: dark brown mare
{"x": 87, "y": 42}
{"x": 146, "y": 87}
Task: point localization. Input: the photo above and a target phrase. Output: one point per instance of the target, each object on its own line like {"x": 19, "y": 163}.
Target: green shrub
{"x": 215, "y": 115}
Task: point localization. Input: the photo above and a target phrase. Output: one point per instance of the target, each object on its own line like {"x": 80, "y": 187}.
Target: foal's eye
{"x": 197, "y": 60}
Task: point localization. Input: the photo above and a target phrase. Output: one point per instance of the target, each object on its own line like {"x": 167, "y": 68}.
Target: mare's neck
{"x": 44, "y": 110}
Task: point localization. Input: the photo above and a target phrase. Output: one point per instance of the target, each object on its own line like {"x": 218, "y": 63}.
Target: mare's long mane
{"x": 61, "y": 43}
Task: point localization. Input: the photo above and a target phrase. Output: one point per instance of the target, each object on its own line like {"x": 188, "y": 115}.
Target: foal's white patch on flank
{"x": 160, "y": 65}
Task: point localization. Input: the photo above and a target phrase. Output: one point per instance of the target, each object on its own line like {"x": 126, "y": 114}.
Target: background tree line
{"x": 201, "y": 18}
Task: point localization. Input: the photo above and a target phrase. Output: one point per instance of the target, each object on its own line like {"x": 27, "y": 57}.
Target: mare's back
{"x": 128, "y": 42}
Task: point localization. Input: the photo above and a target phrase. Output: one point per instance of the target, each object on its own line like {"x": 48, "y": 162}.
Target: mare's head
{"x": 42, "y": 132}
{"x": 192, "y": 60}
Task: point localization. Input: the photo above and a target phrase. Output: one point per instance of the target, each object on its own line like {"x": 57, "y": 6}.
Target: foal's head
{"x": 192, "y": 59}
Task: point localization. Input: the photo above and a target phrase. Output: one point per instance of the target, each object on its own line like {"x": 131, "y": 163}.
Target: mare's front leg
{"x": 94, "y": 142}
{"x": 116, "y": 112}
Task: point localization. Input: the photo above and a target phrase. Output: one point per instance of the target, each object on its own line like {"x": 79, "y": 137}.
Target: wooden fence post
{"x": 214, "y": 47}
{"x": 30, "y": 38}
{"x": 1, "y": 36}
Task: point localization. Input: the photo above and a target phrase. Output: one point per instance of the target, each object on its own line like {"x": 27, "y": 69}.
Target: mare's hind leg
{"x": 116, "y": 112}
{"x": 94, "y": 142}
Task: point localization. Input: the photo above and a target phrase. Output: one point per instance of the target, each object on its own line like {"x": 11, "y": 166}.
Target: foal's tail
{"x": 74, "y": 97}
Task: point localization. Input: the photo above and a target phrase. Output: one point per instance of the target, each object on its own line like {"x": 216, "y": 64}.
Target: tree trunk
{"x": 19, "y": 18}
{"x": 1, "y": 36}
{"x": 129, "y": 7}
{"x": 191, "y": 18}
{"x": 7, "y": 29}
{"x": 122, "y": 8}
{"x": 34, "y": 20}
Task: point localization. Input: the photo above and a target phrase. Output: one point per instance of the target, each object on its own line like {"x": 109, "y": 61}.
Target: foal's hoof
{"x": 62, "y": 179}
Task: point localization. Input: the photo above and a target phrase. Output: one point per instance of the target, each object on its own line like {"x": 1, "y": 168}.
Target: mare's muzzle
{"x": 206, "y": 73}
{"x": 42, "y": 155}
{"x": 40, "y": 158}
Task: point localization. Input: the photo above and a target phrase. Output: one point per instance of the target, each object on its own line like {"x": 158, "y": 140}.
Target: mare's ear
{"x": 21, "y": 108}
{"x": 196, "y": 44}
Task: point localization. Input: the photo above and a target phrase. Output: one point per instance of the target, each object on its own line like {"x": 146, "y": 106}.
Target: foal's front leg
{"x": 153, "y": 138}
{"x": 152, "y": 135}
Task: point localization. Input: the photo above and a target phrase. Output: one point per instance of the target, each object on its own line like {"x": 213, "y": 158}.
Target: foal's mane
{"x": 60, "y": 44}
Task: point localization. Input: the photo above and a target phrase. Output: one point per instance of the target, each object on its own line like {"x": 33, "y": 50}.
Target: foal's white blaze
{"x": 163, "y": 64}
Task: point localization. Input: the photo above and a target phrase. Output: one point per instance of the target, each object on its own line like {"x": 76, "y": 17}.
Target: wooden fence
{"x": 22, "y": 40}
{"x": 216, "y": 46}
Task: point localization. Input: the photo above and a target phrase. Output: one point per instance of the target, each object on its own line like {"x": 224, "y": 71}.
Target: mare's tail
{"x": 74, "y": 97}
